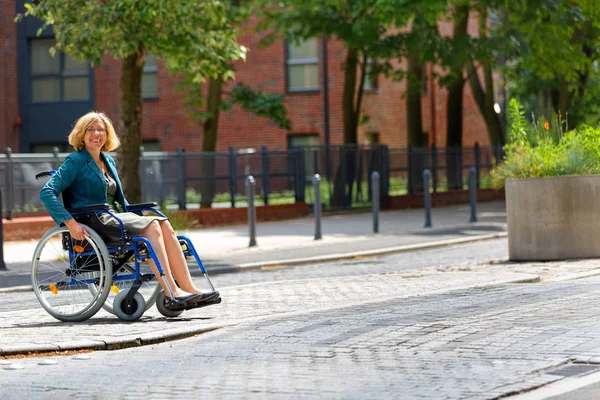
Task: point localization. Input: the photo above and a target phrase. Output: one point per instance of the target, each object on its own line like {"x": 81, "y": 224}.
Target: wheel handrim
{"x": 61, "y": 283}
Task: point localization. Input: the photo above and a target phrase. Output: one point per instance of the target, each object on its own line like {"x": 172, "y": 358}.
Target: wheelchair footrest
{"x": 189, "y": 306}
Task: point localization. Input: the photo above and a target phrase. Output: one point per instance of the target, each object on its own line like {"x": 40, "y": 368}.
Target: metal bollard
{"x": 426, "y": 177}
{"x": 375, "y": 200}
{"x": 473, "y": 193}
{"x": 2, "y": 263}
{"x": 316, "y": 180}
{"x": 55, "y": 153}
{"x": 9, "y": 182}
{"x": 181, "y": 165}
{"x": 250, "y": 189}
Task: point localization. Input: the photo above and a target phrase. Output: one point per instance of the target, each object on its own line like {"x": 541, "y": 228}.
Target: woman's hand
{"x": 76, "y": 229}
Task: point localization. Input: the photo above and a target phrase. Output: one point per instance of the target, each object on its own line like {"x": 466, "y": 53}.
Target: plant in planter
{"x": 552, "y": 184}
{"x": 539, "y": 149}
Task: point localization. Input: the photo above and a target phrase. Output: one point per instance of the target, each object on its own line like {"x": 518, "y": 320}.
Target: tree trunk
{"x": 545, "y": 108}
{"x": 454, "y": 108}
{"x": 485, "y": 102}
{"x": 413, "y": 101}
{"x": 414, "y": 119}
{"x": 209, "y": 143}
{"x": 454, "y": 134}
{"x": 344, "y": 176}
{"x": 130, "y": 121}
{"x": 349, "y": 111}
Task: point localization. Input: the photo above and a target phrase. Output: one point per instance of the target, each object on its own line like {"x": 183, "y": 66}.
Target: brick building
{"x": 41, "y": 96}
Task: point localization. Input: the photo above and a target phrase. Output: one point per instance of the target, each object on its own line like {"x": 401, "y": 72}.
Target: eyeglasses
{"x": 92, "y": 130}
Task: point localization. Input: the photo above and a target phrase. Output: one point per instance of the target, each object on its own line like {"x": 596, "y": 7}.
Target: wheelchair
{"x": 74, "y": 279}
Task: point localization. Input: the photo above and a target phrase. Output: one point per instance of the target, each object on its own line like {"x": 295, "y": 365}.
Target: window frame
{"x": 300, "y": 61}
{"x": 150, "y": 70}
{"x": 60, "y": 75}
{"x": 292, "y": 136}
{"x": 374, "y": 79}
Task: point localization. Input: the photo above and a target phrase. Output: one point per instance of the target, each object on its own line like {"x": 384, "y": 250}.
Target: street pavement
{"x": 431, "y": 324}
{"x": 280, "y": 244}
{"x": 226, "y": 250}
{"x": 260, "y": 288}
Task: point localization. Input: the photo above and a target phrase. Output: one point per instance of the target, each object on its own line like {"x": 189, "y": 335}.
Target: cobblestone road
{"x": 473, "y": 344}
{"x": 349, "y": 335}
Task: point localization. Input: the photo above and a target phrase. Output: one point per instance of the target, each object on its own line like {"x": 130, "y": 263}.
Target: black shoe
{"x": 206, "y": 296}
{"x": 187, "y": 298}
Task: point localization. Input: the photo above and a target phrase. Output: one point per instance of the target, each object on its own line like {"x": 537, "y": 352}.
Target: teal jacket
{"x": 81, "y": 182}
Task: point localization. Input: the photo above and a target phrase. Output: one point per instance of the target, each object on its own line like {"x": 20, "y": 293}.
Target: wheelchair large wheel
{"x": 149, "y": 289}
{"x": 63, "y": 271}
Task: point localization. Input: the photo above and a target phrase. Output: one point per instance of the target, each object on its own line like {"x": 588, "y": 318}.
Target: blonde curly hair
{"x": 76, "y": 137}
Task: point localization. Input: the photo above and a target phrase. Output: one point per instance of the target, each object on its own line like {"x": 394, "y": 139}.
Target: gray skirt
{"x": 134, "y": 224}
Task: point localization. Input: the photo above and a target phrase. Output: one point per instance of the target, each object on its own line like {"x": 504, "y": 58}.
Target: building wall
{"x": 9, "y": 109}
{"x": 166, "y": 120}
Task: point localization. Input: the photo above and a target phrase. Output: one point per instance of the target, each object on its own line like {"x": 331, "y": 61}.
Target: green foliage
{"x": 263, "y": 104}
{"x": 551, "y": 47}
{"x": 539, "y": 148}
{"x": 190, "y": 35}
{"x": 373, "y": 31}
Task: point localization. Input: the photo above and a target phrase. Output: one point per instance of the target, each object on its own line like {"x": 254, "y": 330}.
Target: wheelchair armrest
{"x": 93, "y": 207}
{"x": 141, "y": 206}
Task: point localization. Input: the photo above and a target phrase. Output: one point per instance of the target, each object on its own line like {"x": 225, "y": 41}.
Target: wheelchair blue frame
{"x": 132, "y": 245}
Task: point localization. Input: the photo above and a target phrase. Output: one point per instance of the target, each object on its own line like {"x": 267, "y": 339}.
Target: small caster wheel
{"x": 161, "y": 305}
{"x": 129, "y": 311}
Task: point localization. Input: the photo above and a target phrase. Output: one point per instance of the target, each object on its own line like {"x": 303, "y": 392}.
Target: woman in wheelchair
{"x": 87, "y": 177}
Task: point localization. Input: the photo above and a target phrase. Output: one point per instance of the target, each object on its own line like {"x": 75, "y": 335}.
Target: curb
{"x": 321, "y": 259}
{"x": 114, "y": 344}
{"x": 364, "y": 253}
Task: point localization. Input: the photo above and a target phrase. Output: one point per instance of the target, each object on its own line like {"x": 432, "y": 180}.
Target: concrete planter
{"x": 553, "y": 218}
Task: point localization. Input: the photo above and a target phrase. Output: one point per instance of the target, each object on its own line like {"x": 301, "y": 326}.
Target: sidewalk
{"x": 226, "y": 249}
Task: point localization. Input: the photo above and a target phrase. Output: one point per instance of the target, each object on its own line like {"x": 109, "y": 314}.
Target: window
{"x": 151, "y": 145}
{"x": 149, "y": 83}
{"x": 58, "y": 78}
{"x": 302, "y": 66}
{"x": 370, "y": 79}
{"x": 296, "y": 140}
{"x": 312, "y": 152}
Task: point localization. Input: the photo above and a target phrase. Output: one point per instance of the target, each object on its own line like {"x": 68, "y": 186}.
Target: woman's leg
{"x": 176, "y": 258}
{"x": 153, "y": 233}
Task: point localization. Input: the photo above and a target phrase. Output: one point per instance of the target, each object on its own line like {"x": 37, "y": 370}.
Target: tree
{"x": 554, "y": 47}
{"x": 206, "y": 105}
{"x": 189, "y": 35}
{"x": 205, "y": 101}
{"x": 367, "y": 29}
{"x": 460, "y": 55}
{"x": 483, "y": 92}
{"x": 421, "y": 46}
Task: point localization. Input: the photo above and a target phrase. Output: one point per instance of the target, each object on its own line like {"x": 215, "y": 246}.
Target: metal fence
{"x": 449, "y": 167}
{"x": 189, "y": 180}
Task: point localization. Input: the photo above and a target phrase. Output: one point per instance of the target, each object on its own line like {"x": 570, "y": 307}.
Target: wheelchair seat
{"x": 111, "y": 235}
